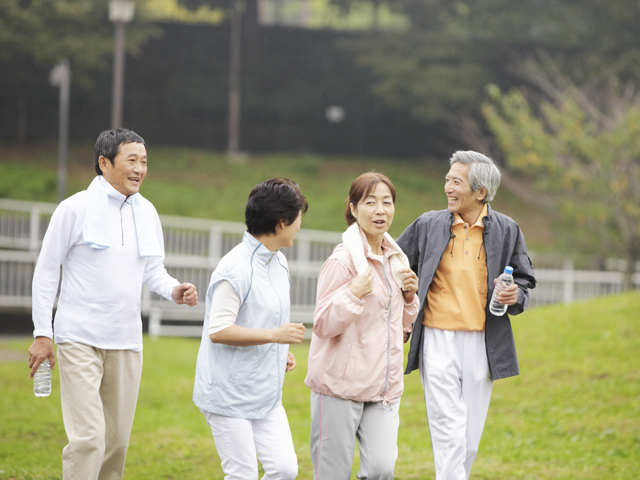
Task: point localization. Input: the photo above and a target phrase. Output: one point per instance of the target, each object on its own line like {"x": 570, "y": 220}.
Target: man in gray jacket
{"x": 459, "y": 346}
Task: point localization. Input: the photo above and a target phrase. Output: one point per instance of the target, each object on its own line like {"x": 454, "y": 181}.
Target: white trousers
{"x": 335, "y": 425}
{"x": 239, "y": 440}
{"x": 457, "y": 389}
{"x": 98, "y": 392}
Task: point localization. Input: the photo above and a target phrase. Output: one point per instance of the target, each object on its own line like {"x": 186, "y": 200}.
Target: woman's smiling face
{"x": 374, "y": 212}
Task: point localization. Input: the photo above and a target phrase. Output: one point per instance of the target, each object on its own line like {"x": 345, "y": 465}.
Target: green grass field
{"x": 200, "y": 183}
{"x": 573, "y": 413}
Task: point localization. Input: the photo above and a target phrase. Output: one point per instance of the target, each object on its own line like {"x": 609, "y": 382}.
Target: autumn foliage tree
{"x": 581, "y": 146}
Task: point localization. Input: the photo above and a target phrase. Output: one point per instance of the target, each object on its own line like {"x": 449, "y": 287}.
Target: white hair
{"x": 483, "y": 173}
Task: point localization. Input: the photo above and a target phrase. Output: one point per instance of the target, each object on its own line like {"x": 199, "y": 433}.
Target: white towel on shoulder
{"x": 95, "y": 228}
{"x": 352, "y": 239}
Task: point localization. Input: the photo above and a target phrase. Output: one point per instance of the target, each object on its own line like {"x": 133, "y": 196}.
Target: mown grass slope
{"x": 200, "y": 183}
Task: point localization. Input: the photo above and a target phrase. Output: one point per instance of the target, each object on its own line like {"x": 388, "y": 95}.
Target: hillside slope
{"x": 200, "y": 183}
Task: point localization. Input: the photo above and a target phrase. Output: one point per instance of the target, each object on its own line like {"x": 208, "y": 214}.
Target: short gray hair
{"x": 483, "y": 173}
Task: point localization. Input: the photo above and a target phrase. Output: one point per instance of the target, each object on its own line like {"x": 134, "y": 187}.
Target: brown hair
{"x": 363, "y": 186}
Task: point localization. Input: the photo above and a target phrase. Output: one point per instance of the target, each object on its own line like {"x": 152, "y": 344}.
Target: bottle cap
{"x": 508, "y": 270}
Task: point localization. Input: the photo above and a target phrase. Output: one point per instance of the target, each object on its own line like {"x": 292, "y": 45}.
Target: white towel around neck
{"x": 95, "y": 228}
{"x": 352, "y": 239}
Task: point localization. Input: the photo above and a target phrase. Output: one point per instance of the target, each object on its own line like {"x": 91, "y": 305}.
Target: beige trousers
{"x": 98, "y": 392}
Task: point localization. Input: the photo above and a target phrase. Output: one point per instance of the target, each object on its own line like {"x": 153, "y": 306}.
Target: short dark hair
{"x": 271, "y": 202}
{"x": 109, "y": 141}
{"x": 363, "y": 186}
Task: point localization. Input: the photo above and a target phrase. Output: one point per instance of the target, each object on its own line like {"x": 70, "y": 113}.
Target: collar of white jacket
{"x": 95, "y": 228}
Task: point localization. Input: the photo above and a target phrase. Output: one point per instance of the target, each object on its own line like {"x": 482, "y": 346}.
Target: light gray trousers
{"x": 335, "y": 425}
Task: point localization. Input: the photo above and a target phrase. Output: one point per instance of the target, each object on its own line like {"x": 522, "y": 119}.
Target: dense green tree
{"x": 437, "y": 67}
{"x": 36, "y": 34}
{"x": 581, "y": 146}
{"x": 48, "y": 30}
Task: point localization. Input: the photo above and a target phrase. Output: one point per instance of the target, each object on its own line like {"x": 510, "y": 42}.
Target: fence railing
{"x": 194, "y": 247}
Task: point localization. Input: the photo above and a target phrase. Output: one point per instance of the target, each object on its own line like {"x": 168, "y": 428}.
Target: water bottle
{"x": 504, "y": 280}
{"x": 42, "y": 380}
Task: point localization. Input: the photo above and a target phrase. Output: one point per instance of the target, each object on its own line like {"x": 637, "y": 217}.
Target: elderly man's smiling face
{"x": 128, "y": 169}
{"x": 460, "y": 198}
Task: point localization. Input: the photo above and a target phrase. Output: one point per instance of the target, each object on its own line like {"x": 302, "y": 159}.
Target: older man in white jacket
{"x": 108, "y": 240}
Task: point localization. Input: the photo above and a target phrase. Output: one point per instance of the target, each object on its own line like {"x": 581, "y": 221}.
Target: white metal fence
{"x": 194, "y": 246}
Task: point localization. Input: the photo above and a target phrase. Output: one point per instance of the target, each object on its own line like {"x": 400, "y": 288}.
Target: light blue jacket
{"x": 246, "y": 382}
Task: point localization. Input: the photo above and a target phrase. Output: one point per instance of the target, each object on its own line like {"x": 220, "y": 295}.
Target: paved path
{"x": 12, "y": 355}
{"x": 7, "y": 355}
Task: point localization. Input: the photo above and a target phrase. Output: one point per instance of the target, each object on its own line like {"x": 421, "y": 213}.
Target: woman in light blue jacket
{"x": 244, "y": 352}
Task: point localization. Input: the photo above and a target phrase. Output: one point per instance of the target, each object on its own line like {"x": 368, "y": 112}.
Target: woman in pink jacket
{"x": 366, "y": 299}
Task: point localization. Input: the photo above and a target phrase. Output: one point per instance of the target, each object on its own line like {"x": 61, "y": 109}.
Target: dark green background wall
{"x": 176, "y": 93}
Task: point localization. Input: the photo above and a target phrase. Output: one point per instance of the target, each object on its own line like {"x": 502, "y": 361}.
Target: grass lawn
{"x": 573, "y": 413}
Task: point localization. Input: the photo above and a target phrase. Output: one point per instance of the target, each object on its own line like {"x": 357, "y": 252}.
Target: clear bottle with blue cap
{"x": 504, "y": 280}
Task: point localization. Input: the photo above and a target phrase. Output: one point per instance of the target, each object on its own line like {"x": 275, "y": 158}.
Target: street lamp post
{"x": 60, "y": 77}
{"x": 120, "y": 13}
{"x": 234, "y": 81}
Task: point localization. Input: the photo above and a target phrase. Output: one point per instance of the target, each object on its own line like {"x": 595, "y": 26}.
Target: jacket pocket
{"x": 225, "y": 364}
{"x": 351, "y": 364}
{"x": 247, "y": 365}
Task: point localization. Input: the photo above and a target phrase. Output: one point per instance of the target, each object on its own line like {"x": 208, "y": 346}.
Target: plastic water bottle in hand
{"x": 504, "y": 280}
{"x": 42, "y": 380}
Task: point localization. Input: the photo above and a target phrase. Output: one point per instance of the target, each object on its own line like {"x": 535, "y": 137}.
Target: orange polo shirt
{"x": 457, "y": 298}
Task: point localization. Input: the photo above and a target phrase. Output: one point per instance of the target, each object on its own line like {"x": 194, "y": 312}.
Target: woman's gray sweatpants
{"x": 335, "y": 425}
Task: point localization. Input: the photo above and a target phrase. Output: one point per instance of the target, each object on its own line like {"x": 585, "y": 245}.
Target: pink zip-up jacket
{"x": 356, "y": 350}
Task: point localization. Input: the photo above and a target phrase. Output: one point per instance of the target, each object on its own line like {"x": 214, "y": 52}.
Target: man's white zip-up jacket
{"x": 101, "y": 289}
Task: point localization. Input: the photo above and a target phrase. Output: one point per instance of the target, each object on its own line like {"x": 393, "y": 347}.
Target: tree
{"x": 37, "y": 34}
{"x": 452, "y": 49}
{"x": 438, "y": 67}
{"x": 581, "y": 146}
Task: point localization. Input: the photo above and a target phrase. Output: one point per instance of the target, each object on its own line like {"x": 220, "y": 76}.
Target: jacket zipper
{"x": 279, "y": 369}
{"x": 390, "y": 293}
{"x": 121, "y": 222}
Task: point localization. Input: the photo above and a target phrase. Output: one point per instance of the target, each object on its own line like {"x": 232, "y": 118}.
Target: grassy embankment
{"x": 199, "y": 183}
{"x": 573, "y": 413}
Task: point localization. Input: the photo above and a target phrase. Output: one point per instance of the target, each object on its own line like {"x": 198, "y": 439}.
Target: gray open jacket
{"x": 425, "y": 241}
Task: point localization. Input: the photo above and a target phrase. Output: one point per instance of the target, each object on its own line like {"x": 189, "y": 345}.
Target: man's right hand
{"x": 406, "y": 333}
{"x": 289, "y": 333}
{"x": 40, "y": 350}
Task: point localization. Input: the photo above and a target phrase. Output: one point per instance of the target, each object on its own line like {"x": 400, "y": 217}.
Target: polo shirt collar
{"x": 457, "y": 219}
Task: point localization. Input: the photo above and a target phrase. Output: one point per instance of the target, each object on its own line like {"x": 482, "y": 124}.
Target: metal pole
{"x": 117, "y": 95}
{"x": 60, "y": 76}
{"x": 567, "y": 293}
{"x": 234, "y": 80}
{"x": 63, "y": 147}
{"x": 34, "y": 230}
